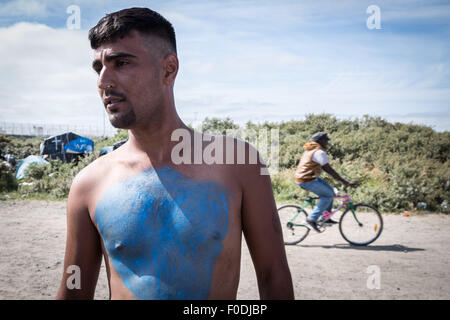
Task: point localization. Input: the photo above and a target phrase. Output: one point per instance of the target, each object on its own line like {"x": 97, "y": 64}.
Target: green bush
{"x": 19, "y": 147}
{"x": 43, "y": 180}
{"x": 7, "y": 179}
{"x": 101, "y": 142}
{"x": 284, "y": 187}
{"x": 399, "y": 165}
{"x": 54, "y": 179}
{"x": 218, "y": 126}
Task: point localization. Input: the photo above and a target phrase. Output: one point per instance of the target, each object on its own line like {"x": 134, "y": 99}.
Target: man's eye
{"x": 97, "y": 68}
{"x": 121, "y": 63}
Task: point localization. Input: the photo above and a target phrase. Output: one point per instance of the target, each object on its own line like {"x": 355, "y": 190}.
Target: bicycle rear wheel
{"x": 363, "y": 227}
{"x": 293, "y": 220}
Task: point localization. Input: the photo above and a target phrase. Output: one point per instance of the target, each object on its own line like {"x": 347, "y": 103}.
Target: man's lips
{"x": 113, "y": 103}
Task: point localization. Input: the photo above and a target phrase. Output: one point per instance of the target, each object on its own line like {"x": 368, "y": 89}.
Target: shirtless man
{"x": 166, "y": 231}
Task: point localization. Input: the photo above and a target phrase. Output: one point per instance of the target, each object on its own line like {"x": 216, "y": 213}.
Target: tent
{"x": 108, "y": 149}
{"x": 25, "y": 163}
{"x": 119, "y": 144}
{"x": 67, "y": 146}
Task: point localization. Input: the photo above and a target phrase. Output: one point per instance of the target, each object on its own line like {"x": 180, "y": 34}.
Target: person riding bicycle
{"x": 313, "y": 160}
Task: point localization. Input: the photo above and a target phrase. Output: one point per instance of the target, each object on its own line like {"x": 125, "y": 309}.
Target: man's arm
{"x": 83, "y": 248}
{"x": 262, "y": 231}
{"x": 328, "y": 169}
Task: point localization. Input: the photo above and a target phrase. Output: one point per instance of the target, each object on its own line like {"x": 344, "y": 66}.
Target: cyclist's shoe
{"x": 330, "y": 221}
{"x": 313, "y": 225}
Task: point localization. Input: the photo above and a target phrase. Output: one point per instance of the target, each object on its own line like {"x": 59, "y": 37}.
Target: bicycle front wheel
{"x": 361, "y": 226}
{"x": 293, "y": 223}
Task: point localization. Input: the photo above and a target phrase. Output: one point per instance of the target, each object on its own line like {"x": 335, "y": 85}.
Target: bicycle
{"x": 360, "y": 224}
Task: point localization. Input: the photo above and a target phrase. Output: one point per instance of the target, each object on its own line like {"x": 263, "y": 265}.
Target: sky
{"x": 249, "y": 60}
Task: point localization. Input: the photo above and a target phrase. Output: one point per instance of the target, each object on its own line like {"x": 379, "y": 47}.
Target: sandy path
{"x": 411, "y": 254}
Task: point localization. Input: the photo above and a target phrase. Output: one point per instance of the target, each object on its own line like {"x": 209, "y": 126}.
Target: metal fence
{"x": 45, "y": 130}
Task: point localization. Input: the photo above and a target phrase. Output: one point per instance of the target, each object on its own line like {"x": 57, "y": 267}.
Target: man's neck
{"x": 155, "y": 139}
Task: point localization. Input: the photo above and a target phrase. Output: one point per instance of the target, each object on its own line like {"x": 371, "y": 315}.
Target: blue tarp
{"x": 80, "y": 145}
{"x": 66, "y": 147}
{"x": 25, "y": 163}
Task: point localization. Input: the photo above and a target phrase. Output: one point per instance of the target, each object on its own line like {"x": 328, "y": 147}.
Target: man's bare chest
{"x": 158, "y": 227}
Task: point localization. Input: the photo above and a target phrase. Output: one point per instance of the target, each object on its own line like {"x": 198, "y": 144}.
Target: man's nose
{"x": 106, "y": 79}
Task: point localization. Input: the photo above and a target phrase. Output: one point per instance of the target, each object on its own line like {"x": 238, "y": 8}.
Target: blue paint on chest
{"x": 163, "y": 233}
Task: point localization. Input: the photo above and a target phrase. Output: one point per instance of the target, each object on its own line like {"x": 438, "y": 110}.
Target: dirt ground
{"x": 410, "y": 260}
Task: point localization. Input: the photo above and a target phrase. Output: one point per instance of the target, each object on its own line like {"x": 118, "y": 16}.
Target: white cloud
{"x": 247, "y": 60}
{"x": 46, "y": 76}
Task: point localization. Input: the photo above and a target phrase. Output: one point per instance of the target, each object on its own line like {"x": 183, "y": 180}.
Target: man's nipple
{"x": 118, "y": 245}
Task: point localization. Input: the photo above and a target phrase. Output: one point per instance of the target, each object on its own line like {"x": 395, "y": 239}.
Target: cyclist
{"x": 315, "y": 159}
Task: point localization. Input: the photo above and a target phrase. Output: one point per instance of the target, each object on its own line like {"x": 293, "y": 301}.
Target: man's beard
{"x": 123, "y": 121}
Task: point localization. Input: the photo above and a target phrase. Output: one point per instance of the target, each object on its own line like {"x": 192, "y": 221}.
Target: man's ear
{"x": 170, "y": 69}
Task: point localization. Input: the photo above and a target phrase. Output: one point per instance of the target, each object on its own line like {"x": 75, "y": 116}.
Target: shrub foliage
{"x": 400, "y": 166}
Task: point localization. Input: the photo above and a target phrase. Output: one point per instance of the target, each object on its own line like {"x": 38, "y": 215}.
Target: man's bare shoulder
{"x": 90, "y": 176}
{"x": 240, "y": 158}
{"x": 247, "y": 158}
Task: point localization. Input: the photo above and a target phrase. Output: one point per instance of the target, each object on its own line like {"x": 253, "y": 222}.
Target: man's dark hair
{"x": 121, "y": 23}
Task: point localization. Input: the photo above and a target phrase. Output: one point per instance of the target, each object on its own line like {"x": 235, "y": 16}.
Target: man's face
{"x": 323, "y": 143}
{"x": 129, "y": 81}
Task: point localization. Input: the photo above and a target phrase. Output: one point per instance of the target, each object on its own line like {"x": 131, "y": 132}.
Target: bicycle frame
{"x": 327, "y": 215}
